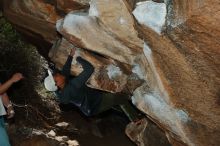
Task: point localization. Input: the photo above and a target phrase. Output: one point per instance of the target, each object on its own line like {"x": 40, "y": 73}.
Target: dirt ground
{"x": 104, "y": 130}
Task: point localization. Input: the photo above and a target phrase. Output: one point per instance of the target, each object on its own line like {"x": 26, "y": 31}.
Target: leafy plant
{"x": 17, "y": 55}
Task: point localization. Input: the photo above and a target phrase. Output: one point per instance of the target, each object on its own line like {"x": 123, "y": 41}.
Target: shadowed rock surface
{"x": 168, "y": 49}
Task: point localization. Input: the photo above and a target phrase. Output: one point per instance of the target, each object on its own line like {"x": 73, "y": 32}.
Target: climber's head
{"x": 59, "y": 80}
{"x": 53, "y": 82}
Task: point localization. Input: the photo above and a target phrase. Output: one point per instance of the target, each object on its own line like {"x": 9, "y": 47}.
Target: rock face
{"x": 165, "y": 52}
{"x": 67, "y": 6}
{"x": 33, "y": 17}
{"x": 108, "y": 34}
{"x": 109, "y": 75}
{"x": 146, "y": 133}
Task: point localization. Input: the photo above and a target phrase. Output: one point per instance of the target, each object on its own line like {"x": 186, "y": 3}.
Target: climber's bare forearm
{"x": 4, "y": 87}
{"x": 15, "y": 78}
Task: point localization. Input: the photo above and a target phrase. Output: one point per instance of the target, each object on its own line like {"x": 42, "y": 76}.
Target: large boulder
{"x": 37, "y": 18}
{"x": 34, "y": 18}
{"x": 105, "y": 29}
{"x": 182, "y": 89}
{"x": 165, "y": 52}
{"x": 109, "y": 75}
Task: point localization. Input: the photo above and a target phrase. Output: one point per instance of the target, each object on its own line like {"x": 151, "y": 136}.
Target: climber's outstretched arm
{"x": 15, "y": 78}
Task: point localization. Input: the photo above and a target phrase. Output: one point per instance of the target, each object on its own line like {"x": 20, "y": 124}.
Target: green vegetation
{"x": 17, "y": 55}
{"x": 7, "y": 33}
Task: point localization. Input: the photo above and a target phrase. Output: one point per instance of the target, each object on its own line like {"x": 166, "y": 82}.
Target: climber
{"x": 4, "y": 101}
{"x": 74, "y": 90}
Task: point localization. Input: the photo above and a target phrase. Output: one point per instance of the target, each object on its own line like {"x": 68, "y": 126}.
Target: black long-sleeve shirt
{"x": 76, "y": 91}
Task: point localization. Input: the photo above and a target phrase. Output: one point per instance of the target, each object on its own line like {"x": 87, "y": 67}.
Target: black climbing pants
{"x": 110, "y": 100}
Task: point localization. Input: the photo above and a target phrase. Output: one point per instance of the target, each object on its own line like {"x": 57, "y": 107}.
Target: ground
{"x": 106, "y": 129}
